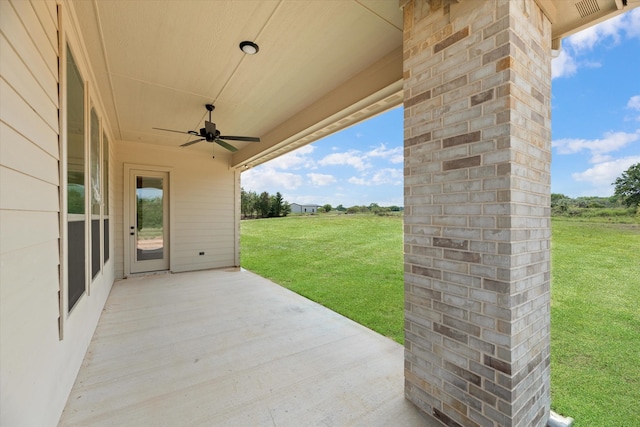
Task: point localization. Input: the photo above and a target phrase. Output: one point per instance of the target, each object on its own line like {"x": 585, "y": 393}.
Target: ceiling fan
{"x": 209, "y": 133}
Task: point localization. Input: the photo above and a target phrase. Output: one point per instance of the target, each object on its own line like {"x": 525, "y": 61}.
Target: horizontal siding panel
{"x": 185, "y": 207}
{"x": 24, "y": 229}
{"x": 48, "y": 51}
{"x": 18, "y": 153}
{"x": 199, "y": 194}
{"x": 209, "y": 226}
{"x": 213, "y": 220}
{"x": 213, "y": 202}
{"x": 19, "y": 38}
{"x": 47, "y": 15}
{"x": 209, "y": 252}
{"x": 193, "y": 238}
{"x": 15, "y": 112}
{"x": 36, "y": 269}
{"x": 52, "y": 7}
{"x": 189, "y": 248}
{"x": 185, "y": 266}
{"x": 22, "y": 192}
{"x": 207, "y": 215}
{"x": 29, "y": 327}
{"x": 24, "y": 83}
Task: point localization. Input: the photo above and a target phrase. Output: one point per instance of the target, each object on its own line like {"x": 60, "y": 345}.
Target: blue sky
{"x": 595, "y": 127}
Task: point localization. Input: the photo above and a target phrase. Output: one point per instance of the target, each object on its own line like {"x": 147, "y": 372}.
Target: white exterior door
{"x": 148, "y": 221}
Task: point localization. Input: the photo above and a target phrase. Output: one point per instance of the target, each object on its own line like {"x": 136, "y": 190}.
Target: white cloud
{"x": 634, "y": 105}
{"x": 611, "y": 31}
{"x": 563, "y": 66}
{"x": 350, "y": 158}
{"x": 358, "y": 181}
{"x": 394, "y": 155}
{"x": 633, "y": 27}
{"x": 387, "y": 176}
{"x": 603, "y": 174}
{"x": 319, "y": 180}
{"x": 297, "y": 159}
{"x": 360, "y": 160}
{"x": 589, "y": 37}
{"x": 266, "y": 177}
{"x": 634, "y": 102}
{"x": 612, "y": 141}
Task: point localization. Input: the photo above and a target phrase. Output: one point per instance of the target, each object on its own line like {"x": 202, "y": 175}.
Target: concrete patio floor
{"x": 230, "y": 348}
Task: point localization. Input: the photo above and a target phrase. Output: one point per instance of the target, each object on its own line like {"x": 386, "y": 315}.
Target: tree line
{"x": 624, "y": 202}
{"x": 373, "y": 208}
{"x": 263, "y": 205}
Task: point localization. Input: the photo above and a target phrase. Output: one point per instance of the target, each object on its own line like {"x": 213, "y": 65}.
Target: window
{"x": 76, "y": 188}
{"x": 96, "y": 193}
{"x": 105, "y": 193}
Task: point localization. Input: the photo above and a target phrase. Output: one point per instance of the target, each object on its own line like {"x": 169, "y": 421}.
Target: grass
{"x": 595, "y": 323}
{"x": 353, "y": 265}
{"x": 349, "y": 263}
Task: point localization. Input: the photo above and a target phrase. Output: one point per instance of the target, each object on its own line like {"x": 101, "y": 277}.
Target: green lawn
{"x": 353, "y": 265}
{"x": 349, "y": 263}
{"x": 595, "y": 323}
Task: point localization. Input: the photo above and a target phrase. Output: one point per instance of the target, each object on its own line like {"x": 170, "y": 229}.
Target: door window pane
{"x": 149, "y": 218}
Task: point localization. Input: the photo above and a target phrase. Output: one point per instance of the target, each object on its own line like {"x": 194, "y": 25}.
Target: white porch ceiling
{"x": 322, "y": 66}
{"x": 158, "y": 62}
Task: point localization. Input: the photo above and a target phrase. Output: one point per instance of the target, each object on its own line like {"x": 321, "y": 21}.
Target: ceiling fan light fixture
{"x": 250, "y": 48}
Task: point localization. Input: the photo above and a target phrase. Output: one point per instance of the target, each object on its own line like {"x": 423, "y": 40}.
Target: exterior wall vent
{"x": 587, "y": 7}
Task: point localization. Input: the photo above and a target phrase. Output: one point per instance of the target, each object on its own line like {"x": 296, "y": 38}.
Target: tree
{"x": 264, "y": 204}
{"x": 341, "y": 208}
{"x": 374, "y": 208}
{"x": 557, "y": 198}
{"x": 327, "y": 207}
{"x": 248, "y": 203}
{"x": 286, "y": 208}
{"x": 628, "y": 186}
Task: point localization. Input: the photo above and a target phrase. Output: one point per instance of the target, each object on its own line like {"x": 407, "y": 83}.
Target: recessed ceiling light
{"x": 250, "y": 48}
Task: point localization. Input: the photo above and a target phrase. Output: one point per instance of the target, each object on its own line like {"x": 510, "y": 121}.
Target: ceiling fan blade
{"x": 240, "y": 138}
{"x": 179, "y": 131}
{"x": 186, "y": 144}
{"x": 225, "y": 145}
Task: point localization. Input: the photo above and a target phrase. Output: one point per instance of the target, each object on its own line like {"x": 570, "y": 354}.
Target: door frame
{"x": 127, "y": 193}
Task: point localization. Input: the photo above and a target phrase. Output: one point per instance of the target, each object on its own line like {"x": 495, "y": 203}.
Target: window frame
{"x": 69, "y": 45}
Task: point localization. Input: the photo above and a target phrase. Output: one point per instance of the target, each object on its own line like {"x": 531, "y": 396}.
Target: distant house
{"x": 296, "y": 208}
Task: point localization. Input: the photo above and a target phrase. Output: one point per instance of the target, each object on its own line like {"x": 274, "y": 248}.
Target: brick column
{"x": 477, "y": 77}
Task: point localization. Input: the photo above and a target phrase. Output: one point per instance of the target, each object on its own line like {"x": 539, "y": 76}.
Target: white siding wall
{"x": 204, "y": 205}
{"x": 37, "y": 368}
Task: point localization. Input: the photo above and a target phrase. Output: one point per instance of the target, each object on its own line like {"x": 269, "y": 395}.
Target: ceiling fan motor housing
{"x": 209, "y": 133}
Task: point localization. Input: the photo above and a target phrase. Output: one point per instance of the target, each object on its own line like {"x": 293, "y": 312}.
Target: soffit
{"x": 571, "y": 16}
{"x": 157, "y": 63}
